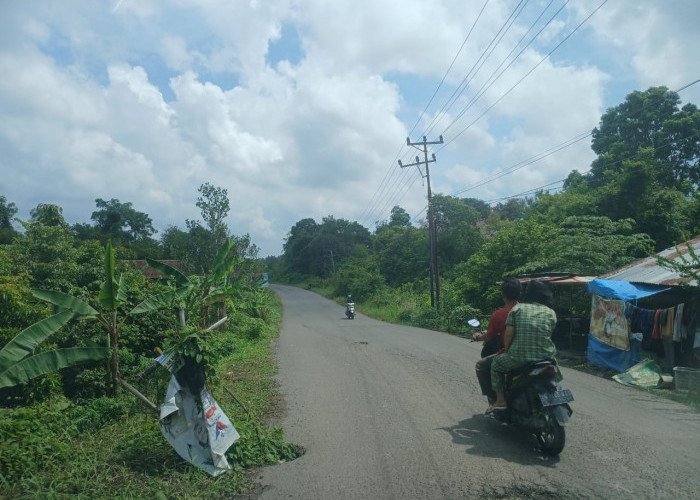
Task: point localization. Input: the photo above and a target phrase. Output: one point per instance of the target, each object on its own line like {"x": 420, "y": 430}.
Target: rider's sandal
{"x": 493, "y": 408}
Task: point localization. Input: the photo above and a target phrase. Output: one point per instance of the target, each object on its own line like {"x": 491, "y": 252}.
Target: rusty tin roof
{"x": 648, "y": 270}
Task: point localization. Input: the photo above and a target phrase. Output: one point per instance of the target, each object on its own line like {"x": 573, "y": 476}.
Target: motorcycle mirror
{"x": 474, "y": 323}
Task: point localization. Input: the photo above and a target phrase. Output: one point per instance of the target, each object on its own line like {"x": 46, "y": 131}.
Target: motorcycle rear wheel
{"x": 553, "y": 438}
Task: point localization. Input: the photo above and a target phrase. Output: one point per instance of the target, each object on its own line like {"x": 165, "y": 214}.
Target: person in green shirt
{"x": 528, "y": 337}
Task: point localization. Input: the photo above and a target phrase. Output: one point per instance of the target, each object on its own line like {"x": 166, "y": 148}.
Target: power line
{"x": 526, "y": 74}
{"x": 384, "y": 183}
{"x": 473, "y": 70}
{"x": 551, "y": 151}
{"x": 375, "y": 202}
{"x": 493, "y": 79}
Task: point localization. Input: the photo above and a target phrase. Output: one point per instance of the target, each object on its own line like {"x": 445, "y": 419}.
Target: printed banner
{"x": 200, "y": 436}
{"x": 608, "y": 322}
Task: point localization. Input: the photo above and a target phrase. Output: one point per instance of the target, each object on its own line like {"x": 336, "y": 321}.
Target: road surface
{"x": 393, "y": 412}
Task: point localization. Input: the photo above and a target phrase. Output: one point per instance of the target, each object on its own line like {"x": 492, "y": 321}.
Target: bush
{"x": 34, "y": 438}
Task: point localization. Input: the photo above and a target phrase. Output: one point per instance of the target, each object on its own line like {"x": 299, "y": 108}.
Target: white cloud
{"x": 147, "y": 101}
{"x": 660, "y": 40}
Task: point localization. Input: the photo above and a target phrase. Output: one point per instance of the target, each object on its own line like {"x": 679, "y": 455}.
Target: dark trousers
{"x": 483, "y": 375}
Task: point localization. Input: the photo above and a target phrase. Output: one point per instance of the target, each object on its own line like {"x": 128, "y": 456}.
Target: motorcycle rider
{"x": 528, "y": 337}
{"x": 348, "y": 302}
{"x": 493, "y": 337}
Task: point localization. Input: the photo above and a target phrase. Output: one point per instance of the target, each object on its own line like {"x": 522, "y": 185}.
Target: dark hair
{"x": 539, "y": 292}
{"x": 511, "y": 289}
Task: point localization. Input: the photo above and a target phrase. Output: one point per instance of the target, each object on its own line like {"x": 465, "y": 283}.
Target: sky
{"x": 302, "y": 108}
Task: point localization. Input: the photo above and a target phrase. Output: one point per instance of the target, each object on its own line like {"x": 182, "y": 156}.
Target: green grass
{"x": 684, "y": 397}
{"x": 112, "y": 448}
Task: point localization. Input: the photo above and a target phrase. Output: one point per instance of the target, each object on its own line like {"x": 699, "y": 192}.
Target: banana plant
{"x": 112, "y": 298}
{"x": 18, "y": 365}
{"x": 198, "y": 293}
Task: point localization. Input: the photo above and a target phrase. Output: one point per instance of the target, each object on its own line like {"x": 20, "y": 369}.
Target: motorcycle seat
{"x": 531, "y": 366}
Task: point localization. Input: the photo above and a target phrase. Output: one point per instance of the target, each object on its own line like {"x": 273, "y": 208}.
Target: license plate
{"x": 556, "y": 398}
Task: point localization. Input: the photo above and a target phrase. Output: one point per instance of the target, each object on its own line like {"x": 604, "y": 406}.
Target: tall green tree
{"x": 48, "y": 214}
{"x": 403, "y": 254}
{"x": 214, "y": 205}
{"x": 7, "y": 212}
{"x": 457, "y": 231}
{"x": 399, "y": 217}
{"x": 297, "y": 253}
{"x": 651, "y": 120}
{"x": 200, "y": 247}
{"x": 120, "y": 222}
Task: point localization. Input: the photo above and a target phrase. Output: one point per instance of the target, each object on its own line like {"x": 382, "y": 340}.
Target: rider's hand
{"x": 477, "y": 336}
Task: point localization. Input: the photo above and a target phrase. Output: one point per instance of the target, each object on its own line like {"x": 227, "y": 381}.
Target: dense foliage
{"x": 66, "y": 292}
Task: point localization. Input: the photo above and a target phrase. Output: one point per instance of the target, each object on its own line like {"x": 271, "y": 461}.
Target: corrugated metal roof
{"x": 556, "y": 278}
{"x": 648, "y": 270}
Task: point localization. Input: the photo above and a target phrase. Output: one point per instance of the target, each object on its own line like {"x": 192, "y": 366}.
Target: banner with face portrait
{"x": 608, "y": 322}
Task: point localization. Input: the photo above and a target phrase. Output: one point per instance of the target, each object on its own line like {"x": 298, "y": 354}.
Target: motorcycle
{"x": 350, "y": 310}
{"x": 537, "y": 403}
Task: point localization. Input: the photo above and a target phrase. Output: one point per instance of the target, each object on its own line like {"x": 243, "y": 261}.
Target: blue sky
{"x": 302, "y": 109}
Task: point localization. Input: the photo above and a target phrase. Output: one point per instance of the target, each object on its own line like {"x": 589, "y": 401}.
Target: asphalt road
{"x": 393, "y": 412}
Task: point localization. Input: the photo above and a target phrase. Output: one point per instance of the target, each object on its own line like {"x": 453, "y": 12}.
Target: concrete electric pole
{"x": 432, "y": 231}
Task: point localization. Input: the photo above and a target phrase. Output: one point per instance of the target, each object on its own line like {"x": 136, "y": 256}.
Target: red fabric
{"x": 497, "y": 324}
{"x": 656, "y": 333}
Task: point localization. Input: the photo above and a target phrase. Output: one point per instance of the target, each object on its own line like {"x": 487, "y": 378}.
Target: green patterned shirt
{"x": 534, "y": 324}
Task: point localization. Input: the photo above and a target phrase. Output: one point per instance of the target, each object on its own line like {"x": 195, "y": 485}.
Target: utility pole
{"x": 432, "y": 232}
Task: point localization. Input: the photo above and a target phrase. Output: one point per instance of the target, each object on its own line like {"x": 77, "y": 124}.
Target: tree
{"x": 7, "y": 212}
{"x": 480, "y": 206}
{"x": 650, "y": 120}
{"x": 121, "y": 224}
{"x": 48, "y": 254}
{"x": 214, "y": 206}
{"x": 48, "y": 215}
{"x": 590, "y": 246}
{"x": 457, "y": 232}
{"x": 297, "y": 255}
{"x": 403, "y": 254}
{"x": 200, "y": 243}
{"x": 112, "y": 298}
{"x": 399, "y": 217}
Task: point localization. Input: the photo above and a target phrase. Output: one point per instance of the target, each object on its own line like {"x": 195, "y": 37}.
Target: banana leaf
{"x": 28, "y": 339}
{"x": 64, "y": 301}
{"x": 165, "y": 299}
{"x": 50, "y": 361}
{"x": 111, "y": 294}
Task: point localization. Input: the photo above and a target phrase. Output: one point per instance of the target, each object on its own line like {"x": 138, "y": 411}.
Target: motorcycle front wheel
{"x": 552, "y": 438}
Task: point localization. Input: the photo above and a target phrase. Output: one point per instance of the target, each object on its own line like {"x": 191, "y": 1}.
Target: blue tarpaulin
{"x": 624, "y": 290}
{"x": 601, "y": 354}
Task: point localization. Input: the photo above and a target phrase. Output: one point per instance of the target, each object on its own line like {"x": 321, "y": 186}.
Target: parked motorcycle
{"x": 350, "y": 310}
{"x": 537, "y": 404}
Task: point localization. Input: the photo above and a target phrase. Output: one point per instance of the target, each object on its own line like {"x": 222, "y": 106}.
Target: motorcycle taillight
{"x": 547, "y": 370}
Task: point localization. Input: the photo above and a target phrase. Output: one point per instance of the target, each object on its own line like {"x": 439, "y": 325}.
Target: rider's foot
{"x": 496, "y": 407}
